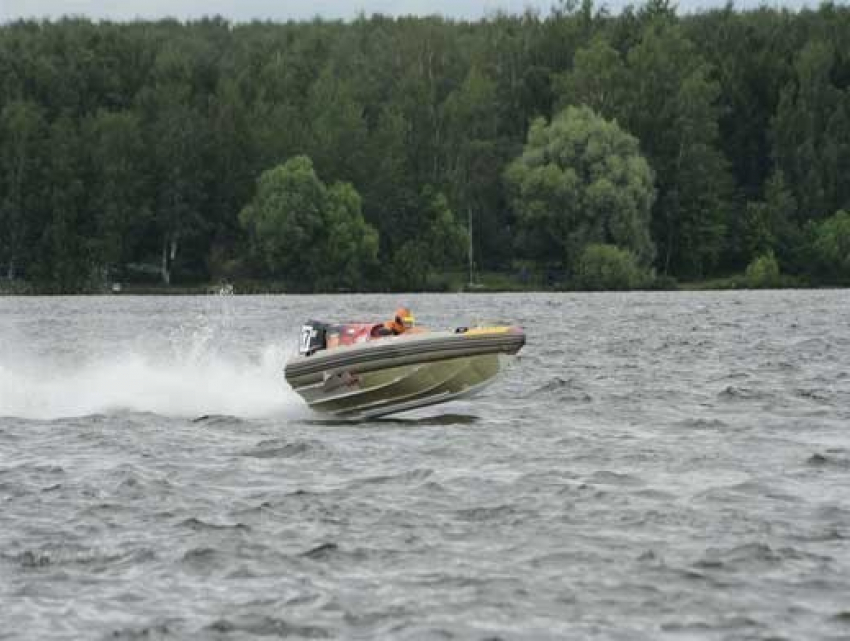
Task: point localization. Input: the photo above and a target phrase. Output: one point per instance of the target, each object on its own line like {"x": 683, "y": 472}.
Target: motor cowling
{"x": 313, "y": 337}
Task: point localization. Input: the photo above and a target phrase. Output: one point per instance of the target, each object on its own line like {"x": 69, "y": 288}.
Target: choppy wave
{"x": 662, "y": 465}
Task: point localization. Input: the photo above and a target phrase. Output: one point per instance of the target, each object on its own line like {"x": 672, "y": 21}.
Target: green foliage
{"x": 812, "y": 132}
{"x": 673, "y": 112}
{"x": 438, "y": 247}
{"x": 606, "y": 267}
{"x": 119, "y": 196}
{"x": 285, "y": 217}
{"x": 338, "y": 130}
{"x": 763, "y": 271}
{"x": 582, "y": 180}
{"x": 597, "y": 79}
{"x": 351, "y": 248}
{"x": 474, "y": 158}
{"x": 831, "y": 246}
{"x": 65, "y": 242}
{"x": 127, "y": 150}
{"x": 309, "y": 233}
{"x": 22, "y": 155}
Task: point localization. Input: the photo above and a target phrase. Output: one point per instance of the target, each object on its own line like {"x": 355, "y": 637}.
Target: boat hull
{"x": 399, "y": 374}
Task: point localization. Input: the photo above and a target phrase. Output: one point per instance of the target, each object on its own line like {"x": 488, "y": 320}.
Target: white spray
{"x": 192, "y": 377}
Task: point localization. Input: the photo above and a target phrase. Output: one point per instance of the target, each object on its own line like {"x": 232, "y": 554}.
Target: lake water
{"x": 652, "y": 466}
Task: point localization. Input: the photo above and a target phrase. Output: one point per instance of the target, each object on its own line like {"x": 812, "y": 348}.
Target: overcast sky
{"x": 246, "y": 10}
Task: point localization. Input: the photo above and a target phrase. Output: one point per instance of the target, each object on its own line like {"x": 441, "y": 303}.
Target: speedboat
{"x": 347, "y": 372}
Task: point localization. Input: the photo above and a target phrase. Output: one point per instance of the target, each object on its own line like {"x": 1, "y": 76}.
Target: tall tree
{"x": 66, "y": 245}
{"x": 741, "y": 114}
{"x": 390, "y": 189}
{"x": 831, "y": 245}
{"x": 598, "y": 79}
{"x": 308, "y": 233}
{"x": 120, "y": 192}
{"x": 811, "y": 133}
{"x": 437, "y": 247}
{"x": 672, "y": 110}
{"x": 338, "y": 128}
{"x": 768, "y": 226}
{"x": 23, "y": 141}
{"x": 474, "y": 159}
{"x": 582, "y": 180}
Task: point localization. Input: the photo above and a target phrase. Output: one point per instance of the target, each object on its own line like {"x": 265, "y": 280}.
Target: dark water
{"x": 654, "y": 466}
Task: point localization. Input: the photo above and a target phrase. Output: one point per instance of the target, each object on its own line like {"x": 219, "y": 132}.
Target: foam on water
{"x": 200, "y": 365}
{"x": 211, "y": 384}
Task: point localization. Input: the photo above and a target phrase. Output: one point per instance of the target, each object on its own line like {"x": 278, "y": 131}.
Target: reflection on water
{"x": 409, "y": 418}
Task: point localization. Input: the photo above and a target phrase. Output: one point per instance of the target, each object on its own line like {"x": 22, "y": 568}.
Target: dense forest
{"x": 601, "y": 150}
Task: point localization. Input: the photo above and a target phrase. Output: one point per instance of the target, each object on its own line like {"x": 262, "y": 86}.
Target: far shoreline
{"x": 260, "y": 288}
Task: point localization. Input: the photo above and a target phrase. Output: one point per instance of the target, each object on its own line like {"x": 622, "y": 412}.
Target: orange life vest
{"x": 395, "y": 328}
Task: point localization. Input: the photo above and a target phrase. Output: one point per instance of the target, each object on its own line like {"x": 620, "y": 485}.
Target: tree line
{"x": 370, "y": 154}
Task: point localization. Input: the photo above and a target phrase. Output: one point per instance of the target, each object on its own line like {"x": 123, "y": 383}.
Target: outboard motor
{"x": 313, "y": 337}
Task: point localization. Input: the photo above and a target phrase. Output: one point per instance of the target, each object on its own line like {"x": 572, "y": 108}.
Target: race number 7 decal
{"x": 307, "y": 333}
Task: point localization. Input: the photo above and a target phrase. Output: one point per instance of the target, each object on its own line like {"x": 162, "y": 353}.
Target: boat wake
{"x": 173, "y": 385}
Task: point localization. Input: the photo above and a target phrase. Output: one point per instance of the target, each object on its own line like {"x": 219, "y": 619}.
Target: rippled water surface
{"x": 653, "y": 466}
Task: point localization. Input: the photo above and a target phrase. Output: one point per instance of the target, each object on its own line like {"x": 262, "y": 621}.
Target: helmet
{"x": 404, "y": 317}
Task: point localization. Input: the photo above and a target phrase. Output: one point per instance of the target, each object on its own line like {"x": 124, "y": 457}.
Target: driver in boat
{"x": 402, "y": 322}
